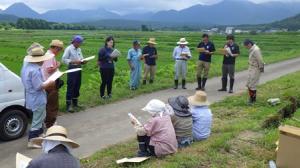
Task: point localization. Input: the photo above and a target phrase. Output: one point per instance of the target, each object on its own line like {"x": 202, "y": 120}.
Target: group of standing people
{"x": 231, "y": 51}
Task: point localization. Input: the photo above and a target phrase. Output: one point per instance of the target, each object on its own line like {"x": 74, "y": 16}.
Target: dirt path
{"x": 99, "y": 127}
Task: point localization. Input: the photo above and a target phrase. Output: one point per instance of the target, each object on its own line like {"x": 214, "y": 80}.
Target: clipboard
{"x": 201, "y": 50}
{"x": 116, "y": 53}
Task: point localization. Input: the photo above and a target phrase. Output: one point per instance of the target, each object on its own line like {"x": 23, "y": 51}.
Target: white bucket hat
{"x": 182, "y": 41}
{"x": 155, "y": 106}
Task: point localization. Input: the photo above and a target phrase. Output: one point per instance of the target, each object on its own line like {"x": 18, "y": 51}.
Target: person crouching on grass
{"x": 202, "y": 116}
{"x": 256, "y": 67}
{"x": 182, "y": 120}
{"x": 73, "y": 58}
{"x": 134, "y": 62}
{"x": 228, "y": 67}
{"x": 35, "y": 94}
{"x": 157, "y": 137}
{"x": 181, "y": 54}
{"x": 50, "y": 67}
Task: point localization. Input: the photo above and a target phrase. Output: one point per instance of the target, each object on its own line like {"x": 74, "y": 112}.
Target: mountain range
{"x": 226, "y": 12}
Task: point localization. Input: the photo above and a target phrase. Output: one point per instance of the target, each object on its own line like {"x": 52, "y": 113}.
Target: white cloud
{"x": 120, "y": 6}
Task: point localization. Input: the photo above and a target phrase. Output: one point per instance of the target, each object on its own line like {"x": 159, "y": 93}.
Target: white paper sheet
{"x": 134, "y": 119}
{"x": 22, "y": 161}
{"x": 132, "y": 160}
{"x": 88, "y": 58}
{"x": 58, "y": 74}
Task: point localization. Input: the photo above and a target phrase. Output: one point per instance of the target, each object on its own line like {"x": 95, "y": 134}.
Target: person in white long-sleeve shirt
{"x": 73, "y": 58}
{"x": 181, "y": 54}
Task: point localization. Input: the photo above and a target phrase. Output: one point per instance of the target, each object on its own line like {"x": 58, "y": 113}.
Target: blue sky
{"x": 119, "y": 6}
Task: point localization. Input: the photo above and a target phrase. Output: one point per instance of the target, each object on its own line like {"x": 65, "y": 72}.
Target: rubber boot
{"x": 199, "y": 84}
{"x": 203, "y": 84}
{"x": 183, "y": 84}
{"x": 224, "y": 85}
{"x": 231, "y": 86}
{"x": 254, "y": 96}
{"x": 251, "y": 98}
{"x": 69, "y": 106}
{"x": 176, "y": 84}
{"x": 143, "y": 150}
{"x": 144, "y": 82}
{"x": 151, "y": 81}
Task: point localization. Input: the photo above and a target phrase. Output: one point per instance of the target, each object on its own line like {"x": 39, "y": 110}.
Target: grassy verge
{"x": 275, "y": 48}
{"x": 238, "y": 138}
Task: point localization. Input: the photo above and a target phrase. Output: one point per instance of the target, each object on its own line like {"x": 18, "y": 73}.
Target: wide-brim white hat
{"x": 182, "y": 41}
{"x": 56, "y": 133}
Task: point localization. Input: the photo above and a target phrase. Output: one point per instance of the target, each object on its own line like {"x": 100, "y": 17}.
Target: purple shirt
{"x": 162, "y": 134}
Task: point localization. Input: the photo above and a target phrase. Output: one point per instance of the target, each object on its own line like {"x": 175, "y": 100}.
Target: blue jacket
{"x": 202, "y": 122}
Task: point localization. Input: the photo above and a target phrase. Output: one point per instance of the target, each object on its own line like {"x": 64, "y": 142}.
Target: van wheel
{"x": 13, "y": 124}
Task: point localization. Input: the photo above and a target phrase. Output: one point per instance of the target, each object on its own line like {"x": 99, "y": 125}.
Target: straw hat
{"x": 36, "y": 54}
{"x": 151, "y": 41}
{"x": 155, "y": 106}
{"x": 199, "y": 99}
{"x": 182, "y": 41}
{"x": 56, "y": 133}
{"x": 180, "y": 106}
{"x": 57, "y": 43}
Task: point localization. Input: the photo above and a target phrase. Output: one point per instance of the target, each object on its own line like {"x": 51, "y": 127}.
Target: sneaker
{"x": 70, "y": 109}
{"x": 222, "y": 90}
{"x": 230, "y": 91}
{"x": 31, "y": 145}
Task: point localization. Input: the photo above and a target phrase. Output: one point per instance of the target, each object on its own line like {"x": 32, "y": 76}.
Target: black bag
{"x": 59, "y": 83}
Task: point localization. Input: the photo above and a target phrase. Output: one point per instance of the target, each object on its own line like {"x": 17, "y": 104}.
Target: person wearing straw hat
{"x": 50, "y": 67}
{"x": 73, "y": 58}
{"x": 204, "y": 62}
{"x": 182, "y": 120}
{"x": 228, "y": 67}
{"x": 35, "y": 94}
{"x": 156, "y": 137}
{"x": 150, "y": 56}
{"x": 57, "y": 149}
{"x": 256, "y": 67}
{"x": 134, "y": 62}
{"x": 181, "y": 54}
{"x": 202, "y": 116}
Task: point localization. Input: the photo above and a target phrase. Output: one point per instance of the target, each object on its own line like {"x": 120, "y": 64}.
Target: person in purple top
{"x": 107, "y": 67}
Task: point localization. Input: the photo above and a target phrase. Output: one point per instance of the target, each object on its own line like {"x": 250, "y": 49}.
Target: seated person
{"x": 182, "y": 120}
{"x": 56, "y": 150}
{"x": 156, "y": 137}
{"x": 202, "y": 116}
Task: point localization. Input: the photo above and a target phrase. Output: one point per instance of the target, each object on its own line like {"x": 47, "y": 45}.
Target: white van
{"x": 13, "y": 114}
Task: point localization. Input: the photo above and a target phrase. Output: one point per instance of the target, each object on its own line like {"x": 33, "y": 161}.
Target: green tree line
{"x": 28, "y": 23}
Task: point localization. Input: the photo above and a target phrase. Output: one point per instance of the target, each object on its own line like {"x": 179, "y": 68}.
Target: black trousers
{"x": 74, "y": 83}
{"x": 146, "y": 141}
{"x": 107, "y": 76}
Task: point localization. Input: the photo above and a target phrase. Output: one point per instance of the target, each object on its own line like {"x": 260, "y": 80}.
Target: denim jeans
{"x": 184, "y": 141}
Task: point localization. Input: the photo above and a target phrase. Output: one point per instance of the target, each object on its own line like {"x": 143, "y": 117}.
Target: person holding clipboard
{"x": 73, "y": 58}
{"x": 150, "y": 57}
{"x": 106, "y": 57}
{"x": 206, "y": 49}
{"x": 181, "y": 54}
